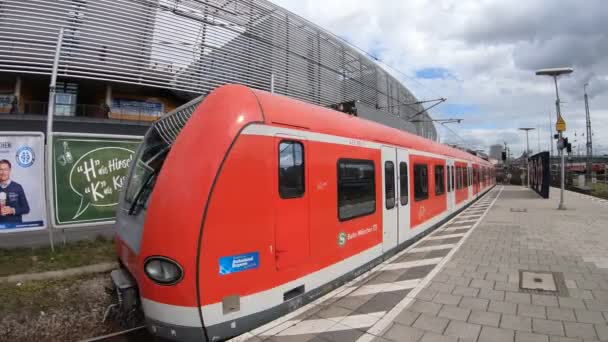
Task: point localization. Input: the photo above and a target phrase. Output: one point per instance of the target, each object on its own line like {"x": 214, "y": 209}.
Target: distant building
{"x": 496, "y": 151}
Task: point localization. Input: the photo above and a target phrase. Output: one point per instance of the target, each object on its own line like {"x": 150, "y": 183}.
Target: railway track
{"x": 135, "y": 334}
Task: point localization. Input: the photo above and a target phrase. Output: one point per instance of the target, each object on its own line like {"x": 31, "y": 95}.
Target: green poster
{"x": 88, "y": 175}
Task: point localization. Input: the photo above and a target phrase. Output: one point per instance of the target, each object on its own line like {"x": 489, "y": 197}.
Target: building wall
{"x": 193, "y": 46}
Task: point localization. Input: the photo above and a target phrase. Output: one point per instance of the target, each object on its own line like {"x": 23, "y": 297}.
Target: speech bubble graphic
{"x": 98, "y": 177}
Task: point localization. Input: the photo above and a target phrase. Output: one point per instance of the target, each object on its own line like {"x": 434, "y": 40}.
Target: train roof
{"x": 282, "y": 110}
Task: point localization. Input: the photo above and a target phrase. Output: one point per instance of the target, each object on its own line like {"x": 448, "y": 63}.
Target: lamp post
{"x": 589, "y": 164}
{"x": 527, "y": 129}
{"x": 555, "y": 72}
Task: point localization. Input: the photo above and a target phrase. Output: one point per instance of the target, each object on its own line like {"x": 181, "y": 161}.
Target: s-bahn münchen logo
{"x": 341, "y": 239}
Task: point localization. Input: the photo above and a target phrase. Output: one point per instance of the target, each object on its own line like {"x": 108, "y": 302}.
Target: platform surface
{"x": 462, "y": 282}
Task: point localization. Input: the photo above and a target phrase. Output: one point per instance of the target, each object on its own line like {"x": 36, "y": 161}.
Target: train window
{"x": 356, "y": 188}
{"x": 439, "y": 179}
{"x": 449, "y": 175}
{"x": 458, "y": 177}
{"x": 421, "y": 182}
{"x": 449, "y": 178}
{"x": 453, "y": 178}
{"x": 403, "y": 184}
{"x": 461, "y": 177}
{"x": 389, "y": 184}
{"x": 291, "y": 169}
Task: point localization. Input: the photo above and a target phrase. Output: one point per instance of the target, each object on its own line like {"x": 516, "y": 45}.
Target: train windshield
{"x": 148, "y": 162}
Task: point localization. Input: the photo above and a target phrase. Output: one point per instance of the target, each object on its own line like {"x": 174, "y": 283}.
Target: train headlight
{"x": 163, "y": 271}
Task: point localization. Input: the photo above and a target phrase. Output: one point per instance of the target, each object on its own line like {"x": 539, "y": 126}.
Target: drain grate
{"x": 519, "y": 210}
{"x": 539, "y": 282}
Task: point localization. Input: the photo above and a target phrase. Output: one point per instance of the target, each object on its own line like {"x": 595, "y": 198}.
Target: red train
{"x": 264, "y": 203}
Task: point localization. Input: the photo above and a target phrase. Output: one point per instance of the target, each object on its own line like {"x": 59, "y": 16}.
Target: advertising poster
{"x": 22, "y": 199}
{"x": 89, "y": 173}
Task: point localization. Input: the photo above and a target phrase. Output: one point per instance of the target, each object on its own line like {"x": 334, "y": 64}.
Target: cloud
{"x": 491, "y": 48}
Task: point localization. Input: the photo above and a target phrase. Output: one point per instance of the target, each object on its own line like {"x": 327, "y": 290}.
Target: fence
{"x": 84, "y": 111}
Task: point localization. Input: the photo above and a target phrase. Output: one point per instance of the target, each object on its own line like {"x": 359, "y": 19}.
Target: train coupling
{"x": 125, "y": 291}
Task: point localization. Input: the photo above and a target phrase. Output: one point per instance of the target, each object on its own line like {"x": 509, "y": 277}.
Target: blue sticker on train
{"x": 239, "y": 263}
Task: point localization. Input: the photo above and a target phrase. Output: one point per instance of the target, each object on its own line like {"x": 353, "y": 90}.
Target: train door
{"x": 476, "y": 179}
{"x": 390, "y": 215}
{"x": 450, "y": 185}
{"x": 292, "y": 206}
{"x": 403, "y": 201}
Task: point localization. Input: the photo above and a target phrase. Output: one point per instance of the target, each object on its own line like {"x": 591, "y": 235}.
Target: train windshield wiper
{"x": 140, "y": 192}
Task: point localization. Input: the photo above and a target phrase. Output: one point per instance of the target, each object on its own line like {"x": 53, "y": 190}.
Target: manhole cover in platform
{"x": 538, "y": 281}
{"x": 519, "y": 210}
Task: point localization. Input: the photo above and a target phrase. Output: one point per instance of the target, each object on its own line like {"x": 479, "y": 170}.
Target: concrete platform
{"x": 462, "y": 282}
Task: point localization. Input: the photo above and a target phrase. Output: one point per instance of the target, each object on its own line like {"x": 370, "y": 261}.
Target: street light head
{"x": 554, "y": 71}
{"x": 526, "y": 128}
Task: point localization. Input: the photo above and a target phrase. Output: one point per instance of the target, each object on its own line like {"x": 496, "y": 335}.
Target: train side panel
{"x": 243, "y": 224}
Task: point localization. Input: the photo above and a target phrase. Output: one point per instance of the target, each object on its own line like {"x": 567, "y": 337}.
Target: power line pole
{"x": 589, "y": 144}
{"x": 550, "y": 137}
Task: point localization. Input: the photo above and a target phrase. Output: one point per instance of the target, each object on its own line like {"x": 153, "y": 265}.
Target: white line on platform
{"x": 463, "y": 221}
{"x": 457, "y": 227}
{"x": 380, "y": 327}
{"x": 470, "y": 215}
{"x": 316, "y": 326}
{"x": 432, "y": 248}
{"x": 447, "y": 236}
{"x": 410, "y": 264}
{"x": 385, "y": 287}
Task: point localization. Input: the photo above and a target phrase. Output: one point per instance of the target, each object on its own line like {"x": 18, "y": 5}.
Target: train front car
{"x": 161, "y": 212}
{"x": 257, "y": 204}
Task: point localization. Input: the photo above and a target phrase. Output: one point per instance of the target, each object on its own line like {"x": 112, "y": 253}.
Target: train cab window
{"x": 421, "y": 182}
{"x": 403, "y": 183}
{"x": 356, "y": 188}
{"x": 291, "y": 169}
{"x": 439, "y": 180}
{"x": 149, "y": 159}
{"x": 389, "y": 184}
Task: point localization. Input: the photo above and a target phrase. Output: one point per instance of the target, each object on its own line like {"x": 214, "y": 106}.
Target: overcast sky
{"x": 481, "y": 55}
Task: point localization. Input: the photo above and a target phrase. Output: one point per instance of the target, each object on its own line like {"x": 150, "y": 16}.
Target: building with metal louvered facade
{"x": 139, "y": 59}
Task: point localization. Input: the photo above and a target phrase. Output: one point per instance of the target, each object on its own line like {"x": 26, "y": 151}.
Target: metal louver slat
{"x": 194, "y": 46}
{"x": 172, "y": 123}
